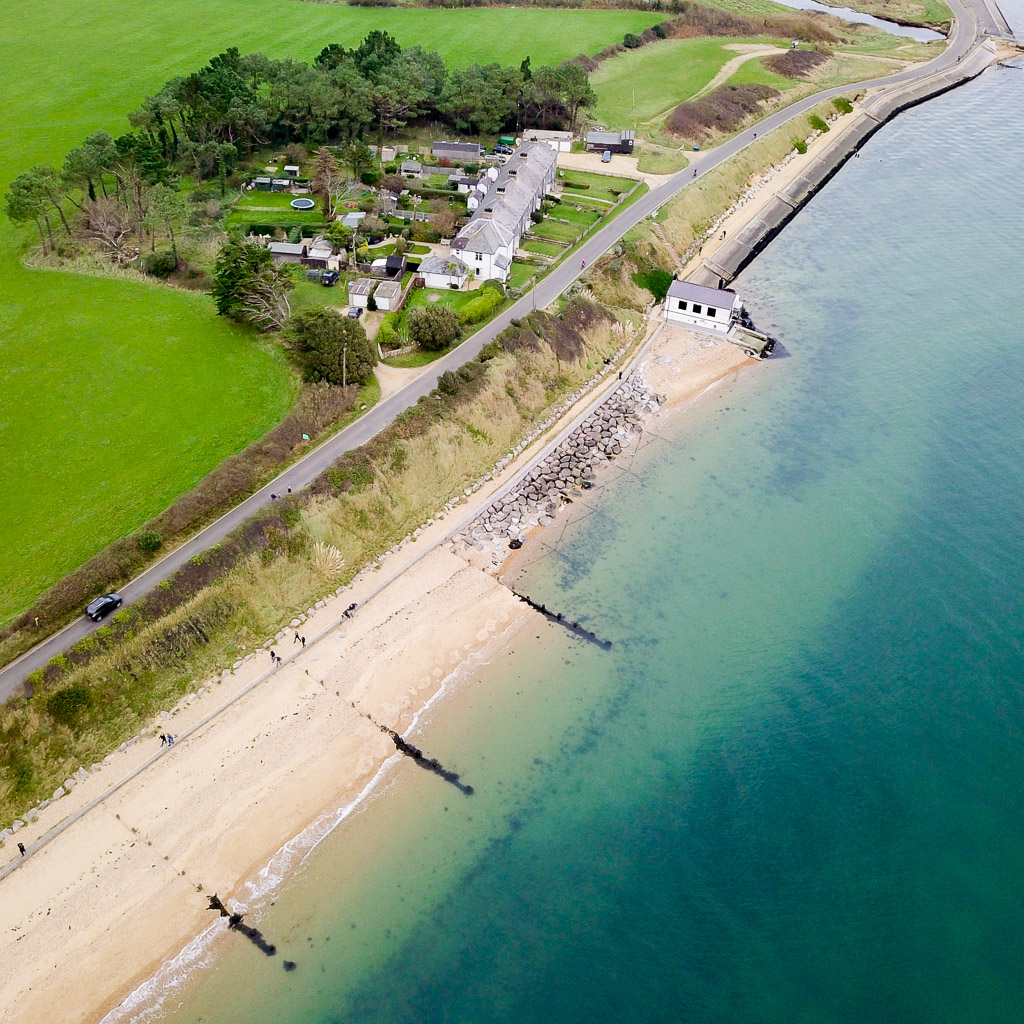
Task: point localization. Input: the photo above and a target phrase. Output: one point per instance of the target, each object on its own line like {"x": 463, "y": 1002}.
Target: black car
{"x": 355, "y": 312}
{"x": 329, "y": 278}
{"x": 103, "y": 606}
{"x": 507, "y": 150}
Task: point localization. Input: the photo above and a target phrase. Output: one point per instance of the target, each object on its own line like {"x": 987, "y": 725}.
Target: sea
{"x": 791, "y": 791}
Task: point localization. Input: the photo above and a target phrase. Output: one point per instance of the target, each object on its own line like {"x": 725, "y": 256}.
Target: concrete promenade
{"x": 964, "y": 57}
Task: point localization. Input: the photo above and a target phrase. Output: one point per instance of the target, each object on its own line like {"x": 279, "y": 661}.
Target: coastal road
{"x": 963, "y": 39}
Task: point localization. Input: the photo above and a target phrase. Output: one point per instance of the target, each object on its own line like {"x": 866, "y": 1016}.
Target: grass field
{"x": 119, "y": 396}
{"x": 643, "y": 85}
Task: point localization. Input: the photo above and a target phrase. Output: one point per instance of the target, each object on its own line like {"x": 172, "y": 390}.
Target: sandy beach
{"x": 262, "y": 753}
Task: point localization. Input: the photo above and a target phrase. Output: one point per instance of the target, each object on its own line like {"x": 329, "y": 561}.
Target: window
{"x": 696, "y": 307}
{"x": 479, "y": 257}
{"x": 682, "y": 305}
{"x": 712, "y": 311}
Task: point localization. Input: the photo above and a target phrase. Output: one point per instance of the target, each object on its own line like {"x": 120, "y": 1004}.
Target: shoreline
{"x": 241, "y": 789}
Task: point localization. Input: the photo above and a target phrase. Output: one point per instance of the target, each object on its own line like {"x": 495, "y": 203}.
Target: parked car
{"x": 329, "y": 278}
{"x": 606, "y": 156}
{"x": 507, "y": 150}
{"x": 355, "y": 312}
{"x": 103, "y": 606}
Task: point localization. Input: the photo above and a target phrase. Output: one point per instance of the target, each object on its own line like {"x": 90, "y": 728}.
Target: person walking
{"x": 21, "y": 849}
{"x": 170, "y": 740}
{"x": 303, "y": 639}
{"x": 163, "y": 739}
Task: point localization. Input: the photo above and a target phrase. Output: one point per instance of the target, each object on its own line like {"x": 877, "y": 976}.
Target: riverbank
{"x": 257, "y": 757}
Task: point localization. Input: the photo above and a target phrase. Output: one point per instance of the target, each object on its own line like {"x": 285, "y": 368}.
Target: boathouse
{"x": 698, "y": 306}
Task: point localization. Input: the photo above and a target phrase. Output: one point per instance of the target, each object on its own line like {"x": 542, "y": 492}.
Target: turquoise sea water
{"x": 792, "y": 789}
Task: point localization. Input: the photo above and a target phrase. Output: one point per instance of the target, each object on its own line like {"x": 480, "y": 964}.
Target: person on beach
{"x": 170, "y": 740}
{"x": 21, "y": 849}
{"x": 163, "y": 739}
{"x": 303, "y": 639}
{"x": 295, "y": 639}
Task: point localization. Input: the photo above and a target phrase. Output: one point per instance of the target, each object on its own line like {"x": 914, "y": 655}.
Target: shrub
{"x": 331, "y": 347}
{"x": 723, "y": 110}
{"x": 537, "y": 216}
{"x": 369, "y": 177}
{"x": 161, "y": 264}
{"x": 386, "y": 332}
{"x": 495, "y": 284}
{"x": 486, "y": 302}
{"x": 842, "y": 104}
{"x": 371, "y": 305}
{"x": 631, "y": 42}
{"x": 795, "y": 63}
{"x": 800, "y": 146}
{"x": 67, "y": 704}
{"x": 149, "y": 541}
{"x": 817, "y": 123}
{"x": 433, "y": 328}
{"x": 656, "y": 281}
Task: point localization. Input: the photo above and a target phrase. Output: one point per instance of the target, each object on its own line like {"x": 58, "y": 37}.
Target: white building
{"x": 699, "y": 306}
{"x": 359, "y": 291}
{"x": 440, "y": 273}
{"x": 388, "y": 295}
{"x": 560, "y": 142}
{"x": 501, "y": 205}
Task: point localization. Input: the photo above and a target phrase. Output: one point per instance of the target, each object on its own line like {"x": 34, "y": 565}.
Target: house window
{"x": 712, "y": 311}
{"x": 696, "y": 307}
{"x": 682, "y": 305}
{"x": 479, "y": 257}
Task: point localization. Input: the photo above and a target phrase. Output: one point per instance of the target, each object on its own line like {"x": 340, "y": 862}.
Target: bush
{"x": 149, "y": 541}
{"x": 161, "y": 264}
{"x": 331, "y": 347}
{"x": 722, "y": 110}
{"x": 67, "y": 704}
{"x": 795, "y": 63}
{"x": 842, "y": 104}
{"x": 386, "y": 332}
{"x": 371, "y": 305}
{"x": 656, "y": 281}
{"x": 800, "y": 146}
{"x": 433, "y": 328}
{"x": 369, "y": 177}
{"x": 817, "y": 123}
{"x": 493, "y": 282}
{"x": 631, "y": 42}
{"x": 486, "y": 302}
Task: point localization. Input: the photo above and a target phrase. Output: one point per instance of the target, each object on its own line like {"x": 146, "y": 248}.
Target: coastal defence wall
{"x": 733, "y": 256}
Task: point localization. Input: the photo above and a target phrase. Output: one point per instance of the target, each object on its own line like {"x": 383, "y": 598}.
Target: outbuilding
{"x": 560, "y": 142}
{"x": 288, "y": 252}
{"x": 436, "y": 272}
{"x": 360, "y": 290}
{"x": 388, "y": 295}
{"x": 457, "y": 152}
{"x": 291, "y": 170}
{"x": 411, "y": 169}
{"x": 699, "y": 306}
{"x": 613, "y": 142}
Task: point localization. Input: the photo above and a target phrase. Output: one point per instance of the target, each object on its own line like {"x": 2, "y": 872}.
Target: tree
{"x": 108, "y": 222}
{"x": 326, "y": 178}
{"x": 374, "y": 54}
{"x": 358, "y": 156}
{"x": 27, "y": 200}
{"x": 169, "y": 208}
{"x": 85, "y": 165}
{"x": 248, "y": 286}
{"x": 576, "y": 91}
{"x": 443, "y": 222}
{"x": 433, "y": 327}
{"x": 331, "y": 347}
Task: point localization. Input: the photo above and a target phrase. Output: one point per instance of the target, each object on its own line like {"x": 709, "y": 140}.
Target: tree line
{"x": 206, "y": 123}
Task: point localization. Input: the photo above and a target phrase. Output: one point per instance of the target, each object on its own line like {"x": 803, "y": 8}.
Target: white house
{"x": 359, "y": 291}
{"x": 501, "y": 205}
{"x": 560, "y": 142}
{"x": 411, "y": 169}
{"x": 699, "y": 306}
{"x": 440, "y": 273}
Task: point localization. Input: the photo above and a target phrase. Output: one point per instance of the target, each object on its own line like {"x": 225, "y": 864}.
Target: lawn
{"x": 521, "y": 274}
{"x": 119, "y": 396}
{"x": 638, "y": 88}
{"x": 542, "y": 248}
{"x": 556, "y": 230}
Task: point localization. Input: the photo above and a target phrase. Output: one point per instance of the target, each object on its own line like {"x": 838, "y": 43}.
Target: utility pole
{"x": 344, "y": 366}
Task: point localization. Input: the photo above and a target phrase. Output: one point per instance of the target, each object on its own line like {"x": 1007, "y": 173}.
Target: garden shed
{"x": 389, "y": 295}
{"x": 360, "y": 290}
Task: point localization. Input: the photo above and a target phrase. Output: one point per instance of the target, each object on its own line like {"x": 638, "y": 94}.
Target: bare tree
{"x": 108, "y": 223}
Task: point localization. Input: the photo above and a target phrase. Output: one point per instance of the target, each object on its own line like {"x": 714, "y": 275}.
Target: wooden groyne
{"x": 560, "y": 620}
{"x": 431, "y": 764}
{"x": 236, "y": 923}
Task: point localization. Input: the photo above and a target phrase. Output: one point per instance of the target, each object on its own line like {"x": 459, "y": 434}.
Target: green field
{"x": 120, "y": 396}
{"x": 641, "y": 86}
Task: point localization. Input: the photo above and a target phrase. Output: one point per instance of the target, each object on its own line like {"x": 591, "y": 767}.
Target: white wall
{"x": 682, "y": 311}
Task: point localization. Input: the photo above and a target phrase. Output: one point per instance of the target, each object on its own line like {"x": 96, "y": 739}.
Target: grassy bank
{"x": 230, "y": 600}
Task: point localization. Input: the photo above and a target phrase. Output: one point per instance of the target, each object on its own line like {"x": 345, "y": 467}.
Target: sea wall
{"x": 735, "y": 254}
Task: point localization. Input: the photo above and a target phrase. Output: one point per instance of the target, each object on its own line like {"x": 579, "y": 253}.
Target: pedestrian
{"x": 163, "y": 739}
{"x": 295, "y": 639}
{"x": 273, "y": 497}
{"x": 21, "y": 849}
{"x": 303, "y": 639}
{"x": 170, "y": 740}
{"x": 620, "y": 375}
{"x": 273, "y": 657}
{"x": 695, "y": 172}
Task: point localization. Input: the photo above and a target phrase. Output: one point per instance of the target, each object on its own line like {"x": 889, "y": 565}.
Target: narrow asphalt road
{"x": 962, "y": 39}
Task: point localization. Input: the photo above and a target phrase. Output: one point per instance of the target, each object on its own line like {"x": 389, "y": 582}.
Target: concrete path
{"x": 964, "y": 39}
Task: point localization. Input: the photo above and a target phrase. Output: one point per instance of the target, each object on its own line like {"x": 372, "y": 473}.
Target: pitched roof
{"x": 700, "y": 293}
{"x": 609, "y": 138}
{"x": 513, "y": 194}
{"x": 388, "y": 290}
{"x": 287, "y": 248}
{"x": 437, "y": 265}
{"x": 473, "y": 149}
{"x": 361, "y": 286}
{"x": 483, "y": 235}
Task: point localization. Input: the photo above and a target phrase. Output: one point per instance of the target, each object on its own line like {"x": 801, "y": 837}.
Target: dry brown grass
{"x": 795, "y": 63}
{"x": 719, "y": 112}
